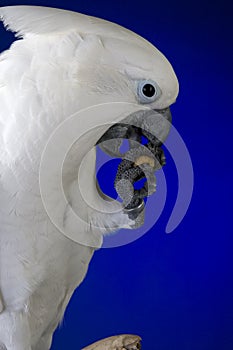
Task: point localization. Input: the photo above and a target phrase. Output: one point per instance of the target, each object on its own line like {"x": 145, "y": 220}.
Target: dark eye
{"x": 148, "y": 91}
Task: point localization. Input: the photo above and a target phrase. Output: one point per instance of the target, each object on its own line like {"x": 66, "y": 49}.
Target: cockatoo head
{"x": 69, "y": 62}
{"x": 103, "y": 60}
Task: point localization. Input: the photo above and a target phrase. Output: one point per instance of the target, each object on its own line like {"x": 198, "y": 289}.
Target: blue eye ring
{"x": 148, "y": 91}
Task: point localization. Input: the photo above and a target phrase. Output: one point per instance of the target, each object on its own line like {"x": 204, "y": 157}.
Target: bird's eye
{"x": 148, "y": 91}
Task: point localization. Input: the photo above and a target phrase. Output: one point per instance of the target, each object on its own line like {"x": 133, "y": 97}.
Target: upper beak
{"x": 166, "y": 113}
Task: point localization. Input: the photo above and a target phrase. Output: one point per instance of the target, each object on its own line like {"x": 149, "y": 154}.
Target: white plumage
{"x": 64, "y": 62}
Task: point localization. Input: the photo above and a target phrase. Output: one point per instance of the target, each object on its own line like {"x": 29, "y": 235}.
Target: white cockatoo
{"x": 63, "y": 63}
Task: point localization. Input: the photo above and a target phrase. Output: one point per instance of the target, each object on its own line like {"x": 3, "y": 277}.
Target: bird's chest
{"x": 39, "y": 259}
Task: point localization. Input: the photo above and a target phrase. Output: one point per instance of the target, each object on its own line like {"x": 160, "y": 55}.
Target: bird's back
{"x": 39, "y": 267}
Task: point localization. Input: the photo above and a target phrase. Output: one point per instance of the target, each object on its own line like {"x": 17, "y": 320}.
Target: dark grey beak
{"x": 166, "y": 113}
{"x": 146, "y": 130}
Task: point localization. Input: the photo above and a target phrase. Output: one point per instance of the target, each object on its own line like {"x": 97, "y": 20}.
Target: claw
{"x": 1, "y": 305}
{"x": 140, "y": 161}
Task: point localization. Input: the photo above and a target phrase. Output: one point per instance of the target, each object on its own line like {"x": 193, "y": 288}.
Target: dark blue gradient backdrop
{"x": 176, "y": 290}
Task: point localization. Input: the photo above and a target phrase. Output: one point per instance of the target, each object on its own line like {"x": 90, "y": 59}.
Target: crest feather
{"x": 25, "y": 20}
{"x": 37, "y": 20}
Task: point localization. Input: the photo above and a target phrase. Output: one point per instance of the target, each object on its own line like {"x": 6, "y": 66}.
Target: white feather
{"x": 36, "y": 20}
{"x": 64, "y": 63}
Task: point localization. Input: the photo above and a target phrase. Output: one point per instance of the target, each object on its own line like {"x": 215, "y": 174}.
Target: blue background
{"x": 176, "y": 290}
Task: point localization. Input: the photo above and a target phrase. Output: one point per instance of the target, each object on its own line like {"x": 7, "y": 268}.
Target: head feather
{"x": 36, "y": 20}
